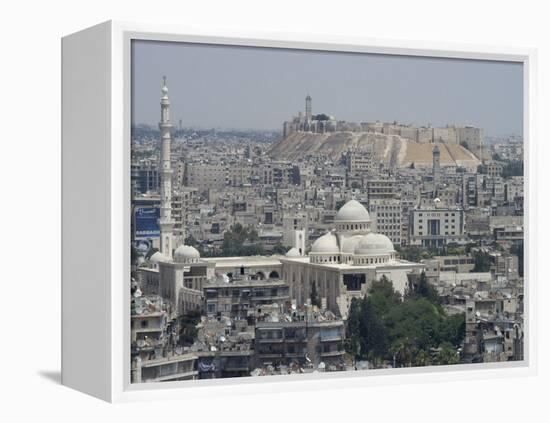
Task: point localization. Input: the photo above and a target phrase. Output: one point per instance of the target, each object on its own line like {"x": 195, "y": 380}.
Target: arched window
{"x": 274, "y": 275}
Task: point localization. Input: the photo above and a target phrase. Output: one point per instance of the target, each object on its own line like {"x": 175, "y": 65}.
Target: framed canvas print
{"x": 264, "y": 212}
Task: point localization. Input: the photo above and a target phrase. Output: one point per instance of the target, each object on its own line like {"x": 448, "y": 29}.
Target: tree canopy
{"x": 241, "y": 241}
{"x": 482, "y": 261}
{"x": 384, "y": 327}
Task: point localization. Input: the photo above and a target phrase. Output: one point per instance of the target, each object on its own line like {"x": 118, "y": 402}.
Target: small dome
{"x": 374, "y": 244}
{"x": 352, "y": 211}
{"x": 185, "y": 254}
{"x": 158, "y": 257}
{"x": 326, "y": 244}
{"x": 293, "y": 252}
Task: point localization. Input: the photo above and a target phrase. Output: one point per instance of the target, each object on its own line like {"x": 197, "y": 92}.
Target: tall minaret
{"x": 308, "y": 108}
{"x": 165, "y": 222}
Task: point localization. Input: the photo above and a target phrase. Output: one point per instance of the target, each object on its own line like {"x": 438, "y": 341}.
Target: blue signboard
{"x": 146, "y": 222}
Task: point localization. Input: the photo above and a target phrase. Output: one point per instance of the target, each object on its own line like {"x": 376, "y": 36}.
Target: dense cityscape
{"x": 324, "y": 246}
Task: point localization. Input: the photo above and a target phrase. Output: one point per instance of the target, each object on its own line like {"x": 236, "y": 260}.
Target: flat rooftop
{"x": 244, "y": 261}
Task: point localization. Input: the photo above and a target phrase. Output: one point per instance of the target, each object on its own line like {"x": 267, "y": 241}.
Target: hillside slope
{"x": 392, "y": 150}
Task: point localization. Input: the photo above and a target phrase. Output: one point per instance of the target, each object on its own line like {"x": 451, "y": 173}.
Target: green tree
{"x": 241, "y": 241}
{"x": 482, "y": 261}
{"x": 417, "y": 321}
{"x": 279, "y": 248}
{"x": 422, "y": 358}
{"x": 415, "y": 254}
{"x": 383, "y": 326}
{"x": 403, "y": 352}
{"x": 353, "y": 328}
{"x": 447, "y": 354}
{"x": 419, "y": 287}
{"x": 383, "y": 297}
{"x": 453, "y": 329}
{"x": 374, "y": 333}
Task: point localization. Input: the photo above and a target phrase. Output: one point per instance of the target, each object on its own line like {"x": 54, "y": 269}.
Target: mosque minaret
{"x": 166, "y": 223}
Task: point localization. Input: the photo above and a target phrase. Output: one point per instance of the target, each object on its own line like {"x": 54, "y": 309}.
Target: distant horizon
{"x": 253, "y": 88}
{"x": 206, "y": 128}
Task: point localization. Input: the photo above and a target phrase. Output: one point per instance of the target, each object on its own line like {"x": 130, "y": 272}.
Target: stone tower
{"x": 436, "y": 167}
{"x": 166, "y": 223}
{"x": 308, "y": 108}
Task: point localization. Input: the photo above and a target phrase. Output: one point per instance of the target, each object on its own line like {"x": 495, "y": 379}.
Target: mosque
{"x": 342, "y": 263}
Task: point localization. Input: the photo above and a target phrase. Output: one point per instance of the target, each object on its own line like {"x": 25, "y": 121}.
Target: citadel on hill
{"x": 396, "y": 144}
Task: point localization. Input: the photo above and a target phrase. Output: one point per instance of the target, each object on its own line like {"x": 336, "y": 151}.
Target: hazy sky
{"x": 243, "y": 87}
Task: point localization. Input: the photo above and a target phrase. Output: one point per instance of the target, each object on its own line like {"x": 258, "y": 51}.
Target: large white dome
{"x": 352, "y": 211}
{"x": 350, "y": 243}
{"x": 374, "y": 244}
{"x": 326, "y": 244}
{"x": 186, "y": 254}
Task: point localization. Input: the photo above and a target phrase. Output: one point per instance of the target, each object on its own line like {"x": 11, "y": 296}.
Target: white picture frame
{"x": 96, "y": 99}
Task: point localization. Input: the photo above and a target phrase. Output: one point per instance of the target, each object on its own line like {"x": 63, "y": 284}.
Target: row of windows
{"x": 352, "y": 227}
{"x": 375, "y": 260}
{"x": 437, "y": 214}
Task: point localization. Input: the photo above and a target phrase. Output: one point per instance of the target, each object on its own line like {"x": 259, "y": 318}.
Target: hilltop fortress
{"x": 395, "y": 144}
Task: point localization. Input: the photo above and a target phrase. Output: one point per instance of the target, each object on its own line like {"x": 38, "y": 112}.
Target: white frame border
{"x": 121, "y": 390}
